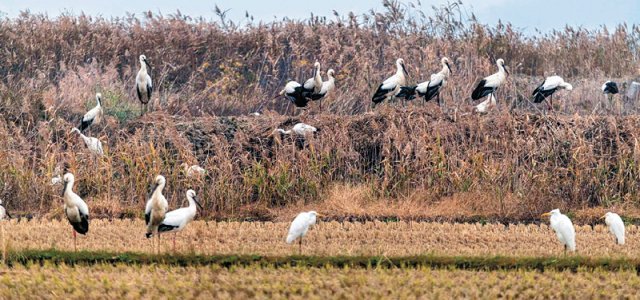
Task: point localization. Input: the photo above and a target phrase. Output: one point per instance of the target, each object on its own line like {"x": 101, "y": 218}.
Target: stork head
{"x": 144, "y": 61}
{"x": 445, "y": 62}
{"x": 160, "y": 180}
{"x": 191, "y": 195}
{"x": 400, "y": 65}
{"x": 501, "y": 64}
{"x": 331, "y": 73}
{"x": 568, "y": 87}
{"x": 316, "y": 65}
{"x": 68, "y": 179}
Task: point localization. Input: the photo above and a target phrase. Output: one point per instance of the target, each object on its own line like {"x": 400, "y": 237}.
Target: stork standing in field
{"x": 548, "y": 87}
{"x": 564, "y": 229}
{"x": 144, "y": 85}
{"x": 75, "y": 208}
{"x": 94, "y": 115}
{"x": 176, "y": 220}
{"x": 3, "y": 212}
{"x": 313, "y": 84}
{"x": 156, "y": 207}
{"x": 488, "y": 86}
{"x": 300, "y": 226}
{"x": 428, "y": 89}
{"x": 93, "y": 144}
{"x": 391, "y": 86}
{"x": 616, "y": 226}
{"x": 325, "y": 88}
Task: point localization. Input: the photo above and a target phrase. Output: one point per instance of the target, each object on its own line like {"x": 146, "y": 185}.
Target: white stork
{"x": 616, "y": 226}
{"x": 294, "y": 91}
{"x": 313, "y": 84}
{"x": 75, "y": 208}
{"x": 548, "y": 87}
{"x": 564, "y": 229}
{"x": 144, "y": 85}
{"x": 300, "y": 226}
{"x": 431, "y": 88}
{"x": 194, "y": 170}
{"x": 93, "y": 144}
{"x": 176, "y": 220}
{"x": 3, "y": 212}
{"x": 391, "y": 86}
{"x": 489, "y": 85}
{"x": 300, "y": 129}
{"x": 156, "y": 207}
{"x": 326, "y": 87}
{"x": 93, "y": 115}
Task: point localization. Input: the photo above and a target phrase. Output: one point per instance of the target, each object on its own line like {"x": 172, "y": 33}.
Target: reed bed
{"x": 327, "y": 239}
{"x": 126, "y": 281}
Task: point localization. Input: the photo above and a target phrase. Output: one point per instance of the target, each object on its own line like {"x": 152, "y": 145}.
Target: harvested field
{"x": 126, "y": 281}
{"x": 328, "y": 239}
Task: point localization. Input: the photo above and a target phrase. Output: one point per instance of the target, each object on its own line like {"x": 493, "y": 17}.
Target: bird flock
{"x": 158, "y": 218}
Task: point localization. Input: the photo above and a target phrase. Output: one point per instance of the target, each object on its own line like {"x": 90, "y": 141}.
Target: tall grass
{"x": 208, "y": 74}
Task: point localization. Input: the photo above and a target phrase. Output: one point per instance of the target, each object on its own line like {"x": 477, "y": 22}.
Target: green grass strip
{"x": 572, "y": 263}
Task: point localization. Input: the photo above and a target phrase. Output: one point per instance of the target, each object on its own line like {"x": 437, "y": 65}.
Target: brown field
{"x": 327, "y": 239}
{"x": 120, "y": 281}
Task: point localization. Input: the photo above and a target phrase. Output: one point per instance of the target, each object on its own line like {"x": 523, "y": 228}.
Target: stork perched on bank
{"x": 295, "y": 93}
{"x": 548, "y": 87}
{"x": 176, "y": 220}
{"x": 488, "y": 86}
{"x": 313, "y": 84}
{"x": 75, "y": 208}
{"x": 156, "y": 207}
{"x": 144, "y": 85}
{"x": 92, "y": 116}
{"x": 325, "y": 88}
{"x": 93, "y": 144}
{"x": 391, "y": 86}
{"x": 428, "y": 89}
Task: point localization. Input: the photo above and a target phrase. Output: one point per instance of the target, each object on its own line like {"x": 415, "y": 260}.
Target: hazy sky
{"x": 524, "y": 14}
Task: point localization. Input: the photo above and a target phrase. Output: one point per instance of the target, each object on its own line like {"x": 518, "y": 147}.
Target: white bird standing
{"x": 391, "y": 86}
{"x": 75, "y": 208}
{"x": 300, "y": 129}
{"x": 429, "y": 89}
{"x": 194, "y": 170}
{"x": 563, "y": 227}
{"x": 616, "y": 226}
{"x": 548, "y": 87}
{"x": 93, "y": 144}
{"x": 144, "y": 85}
{"x": 326, "y": 87}
{"x": 3, "y": 212}
{"x": 313, "y": 84}
{"x": 176, "y": 220}
{"x": 94, "y": 115}
{"x": 488, "y": 85}
{"x": 156, "y": 207}
{"x": 301, "y": 225}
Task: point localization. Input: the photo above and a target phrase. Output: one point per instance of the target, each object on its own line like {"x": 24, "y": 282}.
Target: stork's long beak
{"x": 545, "y": 214}
{"x": 154, "y": 186}
{"x": 64, "y": 188}
{"x": 506, "y": 70}
{"x": 146, "y": 62}
{"x": 449, "y": 66}
{"x": 198, "y": 203}
{"x": 404, "y": 70}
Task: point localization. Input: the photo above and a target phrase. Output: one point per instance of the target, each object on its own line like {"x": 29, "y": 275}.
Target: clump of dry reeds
{"x": 208, "y": 73}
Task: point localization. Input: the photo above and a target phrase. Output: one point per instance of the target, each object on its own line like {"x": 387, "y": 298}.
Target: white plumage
{"x": 300, "y": 226}
{"x": 3, "y": 212}
{"x": 156, "y": 207}
{"x": 295, "y": 92}
{"x": 488, "y": 85}
{"x": 75, "y": 208}
{"x": 144, "y": 84}
{"x": 391, "y": 86}
{"x": 300, "y": 129}
{"x": 56, "y": 180}
{"x": 314, "y": 84}
{"x": 564, "y": 229}
{"x": 94, "y": 115}
{"x": 548, "y": 87}
{"x": 326, "y": 87}
{"x": 616, "y": 226}
{"x": 429, "y": 89}
{"x": 484, "y": 106}
{"x": 194, "y": 170}
{"x": 176, "y": 220}
{"x": 93, "y": 144}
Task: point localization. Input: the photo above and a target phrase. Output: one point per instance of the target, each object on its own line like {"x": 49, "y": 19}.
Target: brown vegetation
{"x": 514, "y": 162}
